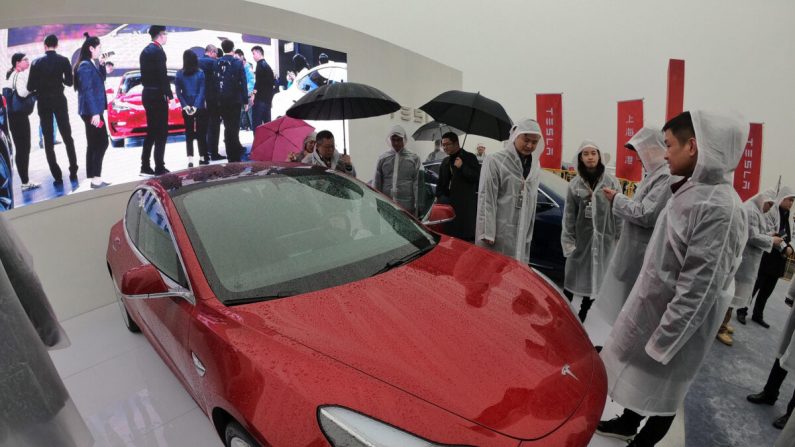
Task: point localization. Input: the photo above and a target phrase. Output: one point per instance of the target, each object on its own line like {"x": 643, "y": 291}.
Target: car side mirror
{"x": 439, "y": 215}
{"x": 145, "y": 282}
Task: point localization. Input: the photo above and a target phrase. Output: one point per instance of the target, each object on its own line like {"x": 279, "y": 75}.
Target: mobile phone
{"x": 108, "y": 54}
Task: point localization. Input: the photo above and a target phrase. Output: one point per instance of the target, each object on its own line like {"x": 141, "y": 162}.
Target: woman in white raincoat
{"x": 398, "y": 172}
{"x": 759, "y": 241}
{"x": 639, "y": 215}
{"x": 590, "y": 230}
{"x": 673, "y": 312}
{"x": 508, "y": 191}
{"x": 785, "y": 362}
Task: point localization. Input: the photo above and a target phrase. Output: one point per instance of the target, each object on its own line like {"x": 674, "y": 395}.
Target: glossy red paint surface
{"x": 461, "y": 346}
{"x": 130, "y": 120}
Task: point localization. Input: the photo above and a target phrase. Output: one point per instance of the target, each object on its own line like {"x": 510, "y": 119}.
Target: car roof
{"x": 137, "y": 73}
{"x": 180, "y": 182}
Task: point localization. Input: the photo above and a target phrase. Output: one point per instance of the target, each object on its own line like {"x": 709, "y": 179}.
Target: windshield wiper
{"x": 405, "y": 259}
{"x": 254, "y": 299}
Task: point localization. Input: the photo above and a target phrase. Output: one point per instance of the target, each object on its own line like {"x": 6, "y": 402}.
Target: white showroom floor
{"x": 128, "y": 397}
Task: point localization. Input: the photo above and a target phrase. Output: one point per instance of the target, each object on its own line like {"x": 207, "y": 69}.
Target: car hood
{"x": 469, "y": 331}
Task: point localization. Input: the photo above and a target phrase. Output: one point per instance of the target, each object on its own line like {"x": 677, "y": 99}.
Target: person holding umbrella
{"x": 326, "y": 155}
{"x": 508, "y": 191}
{"x": 458, "y": 186}
{"x": 398, "y": 172}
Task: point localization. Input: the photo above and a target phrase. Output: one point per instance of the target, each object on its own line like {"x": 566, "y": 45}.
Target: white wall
{"x": 68, "y": 236}
{"x": 739, "y": 55}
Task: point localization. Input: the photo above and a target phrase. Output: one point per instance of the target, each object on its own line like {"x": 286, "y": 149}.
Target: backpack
{"x": 227, "y": 82}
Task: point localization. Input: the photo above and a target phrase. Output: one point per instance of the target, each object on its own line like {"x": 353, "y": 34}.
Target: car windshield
{"x": 266, "y": 237}
{"x": 132, "y": 84}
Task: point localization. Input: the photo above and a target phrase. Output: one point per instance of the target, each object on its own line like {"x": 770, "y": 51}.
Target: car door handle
{"x": 200, "y": 369}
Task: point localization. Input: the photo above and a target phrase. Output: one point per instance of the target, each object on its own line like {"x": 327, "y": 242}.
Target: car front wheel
{"x": 237, "y": 436}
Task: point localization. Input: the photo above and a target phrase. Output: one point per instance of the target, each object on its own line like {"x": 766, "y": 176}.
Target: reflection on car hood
{"x": 470, "y": 331}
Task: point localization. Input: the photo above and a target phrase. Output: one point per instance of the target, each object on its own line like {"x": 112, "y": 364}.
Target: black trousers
{"x": 19, "y": 124}
{"x": 764, "y": 286}
{"x": 651, "y": 433}
{"x": 774, "y": 381}
{"x": 156, "y": 130}
{"x": 96, "y": 145}
{"x": 196, "y": 130}
{"x": 56, "y": 106}
{"x": 584, "y": 306}
{"x": 213, "y": 128}
{"x": 260, "y": 113}
{"x": 230, "y": 114}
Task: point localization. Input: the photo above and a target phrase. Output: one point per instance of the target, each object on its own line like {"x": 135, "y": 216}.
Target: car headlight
{"x": 347, "y": 428}
{"x": 121, "y": 106}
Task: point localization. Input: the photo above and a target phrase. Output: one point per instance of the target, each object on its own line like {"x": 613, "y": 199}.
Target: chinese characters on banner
{"x": 749, "y": 170}
{"x": 549, "y": 113}
{"x": 630, "y": 121}
{"x": 675, "y": 100}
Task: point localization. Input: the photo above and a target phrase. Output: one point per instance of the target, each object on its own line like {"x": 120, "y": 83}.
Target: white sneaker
{"x": 30, "y": 185}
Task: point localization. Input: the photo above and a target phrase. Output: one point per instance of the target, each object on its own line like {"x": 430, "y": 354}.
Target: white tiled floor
{"x": 129, "y": 397}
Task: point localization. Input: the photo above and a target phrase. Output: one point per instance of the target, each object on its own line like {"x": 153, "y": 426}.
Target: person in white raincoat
{"x": 326, "y": 155}
{"x": 785, "y": 362}
{"x": 590, "y": 229}
{"x": 759, "y": 242}
{"x": 398, "y": 172}
{"x": 673, "y": 312}
{"x": 508, "y": 191}
{"x": 639, "y": 215}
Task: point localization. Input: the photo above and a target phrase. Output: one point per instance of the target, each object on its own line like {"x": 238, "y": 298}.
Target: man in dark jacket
{"x": 263, "y": 88}
{"x": 207, "y": 65}
{"x": 48, "y": 76}
{"x": 458, "y": 186}
{"x": 230, "y": 84}
{"x": 155, "y": 96}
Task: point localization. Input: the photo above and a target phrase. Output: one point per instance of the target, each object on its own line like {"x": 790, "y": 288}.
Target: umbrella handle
{"x": 344, "y": 144}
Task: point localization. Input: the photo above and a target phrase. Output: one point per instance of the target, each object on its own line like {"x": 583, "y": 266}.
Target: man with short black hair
{"x": 155, "y": 97}
{"x": 230, "y": 85}
{"x": 263, "y": 88}
{"x": 458, "y": 186}
{"x": 48, "y": 76}
{"x": 213, "y": 115}
{"x": 326, "y": 155}
{"x": 670, "y": 319}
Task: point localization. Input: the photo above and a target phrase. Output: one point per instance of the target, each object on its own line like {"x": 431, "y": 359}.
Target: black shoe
{"x": 598, "y": 348}
{"x": 216, "y": 157}
{"x": 73, "y": 178}
{"x": 781, "y": 422}
{"x": 146, "y": 171}
{"x": 58, "y": 183}
{"x": 204, "y": 161}
{"x": 762, "y": 398}
{"x": 190, "y": 165}
{"x": 760, "y": 321}
{"x": 788, "y": 301}
{"x": 741, "y": 317}
{"x": 161, "y": 171}
{"x": 616, "y": 428}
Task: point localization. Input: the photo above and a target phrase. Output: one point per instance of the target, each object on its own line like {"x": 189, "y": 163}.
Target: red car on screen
{"x": 299, "y": 307}
{"x": 126, "y": 114}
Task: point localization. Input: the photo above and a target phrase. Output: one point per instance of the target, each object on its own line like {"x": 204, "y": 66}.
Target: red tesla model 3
{"x": 299, "y": 307}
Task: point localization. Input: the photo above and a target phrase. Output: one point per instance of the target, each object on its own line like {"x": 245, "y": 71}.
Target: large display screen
{"x": 298, "y": 68}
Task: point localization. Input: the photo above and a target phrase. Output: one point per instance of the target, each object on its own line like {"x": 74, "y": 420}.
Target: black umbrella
{"x": 343, "y": 101}
{"x": 470, "y": 112}
{"x": 433, "y": 131}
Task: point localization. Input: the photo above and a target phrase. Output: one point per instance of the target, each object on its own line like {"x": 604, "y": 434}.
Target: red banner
{"x": 749, "y": 170}
{"x": 630, "y": 121}
{"x": 675, "y": 101}
{"x": 549, "y": 112}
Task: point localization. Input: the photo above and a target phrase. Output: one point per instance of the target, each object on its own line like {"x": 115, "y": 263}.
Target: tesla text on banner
{"x": 549, "y": 111}
{"x": 630, "y": 121}
{"x": 675, "y": 101}
{"x": 749, "y": 170}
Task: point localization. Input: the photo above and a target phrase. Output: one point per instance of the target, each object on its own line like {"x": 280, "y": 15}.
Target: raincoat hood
{"x": 760, "y": 199}
{"x": 525, "y": 126}
{"x": 721, "y": 139}
{"x": 649, "y": 143}
{"x": 396, "y": 130}
{"x": 604, "y": 157}
{"x": 784, "y": 193}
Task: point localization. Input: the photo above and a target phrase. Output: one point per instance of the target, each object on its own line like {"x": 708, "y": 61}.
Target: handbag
{"x": 16, "y": 103}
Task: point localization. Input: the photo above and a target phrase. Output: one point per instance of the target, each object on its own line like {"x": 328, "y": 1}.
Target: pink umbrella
{"x": 275, "y": 140}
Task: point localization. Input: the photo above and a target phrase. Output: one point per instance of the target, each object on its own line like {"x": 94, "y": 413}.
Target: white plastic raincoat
{"x": 773, "y": 216}
{"x": 399, "y": 174}
{"x": 507, "y": 199}
{"x": 639, "y": 215}
{"x": 335, "y": 164}
{"x": 590, "y": 231}
{"x": 786, "y": 349}
{"x": 759, "y": 242}
{"x": 673, "y": 312}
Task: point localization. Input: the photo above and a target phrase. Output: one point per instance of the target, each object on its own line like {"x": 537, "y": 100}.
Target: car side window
{"x": 155, "y": 242}
{"x": 133, "y": 215}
